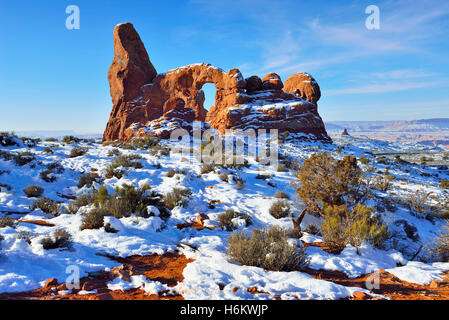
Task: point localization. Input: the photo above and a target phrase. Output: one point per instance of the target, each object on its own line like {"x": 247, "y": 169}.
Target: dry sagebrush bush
{"x": 226, "y": 219}
{"x": 280, "y": 209}
{"x": 33, "y": 191}
{"x": 60, "y": 239}
{"x": 267, "y": 248}
{"x": 177, "y": 198}
{"x": 47, "y": 206}
{"x": 439, "y": 247}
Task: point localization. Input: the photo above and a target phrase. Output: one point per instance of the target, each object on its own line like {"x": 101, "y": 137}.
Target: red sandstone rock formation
{"x": 147, "y": 103}
{"x": 303, "y": 85}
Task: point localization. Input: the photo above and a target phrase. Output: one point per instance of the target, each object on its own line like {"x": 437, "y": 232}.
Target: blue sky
{"x": 52, "y": 78}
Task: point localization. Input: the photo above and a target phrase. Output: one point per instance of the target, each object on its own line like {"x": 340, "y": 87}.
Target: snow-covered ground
{"x": 25, "y": 266}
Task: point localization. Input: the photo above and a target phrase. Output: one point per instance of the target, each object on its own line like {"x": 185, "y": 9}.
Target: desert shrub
{"x": 88, "y": 180}
{"x": 226, "y": 219}
{"x": 281, "y": 195}
{"x": 109, "y": 229}
{"x": 114, "y": 152}
{"x": 207, "y": 168}
{"x": 33, "y": 191}
{"x": 7, "y": 156}
{"x": 49, "y": 174}
{"x": 281, "y": 168}
{"x": 238, "y": 181}
{"x": 171, "y": 173}
{"x": 177, "y": 198}
{"x": 60, "y": 239}
{"x": 48, "y": 150}
{"x": 94, "y": 219}
{"x": 24, "y": 235}
{"x": 145, "y": 142}
{"x": 7, "y": 222}
{"x": 323, "y": 181}
{"x": 418, "y": 201}
{"x": 383, "y": 182}
{"x": 268, "y": 249}
{"x": 81, "y": 201}
{"x": 8, "y": 139}
{"x": 439, "y": 247}
{"x": 78, "y": 152}
{"x": 47, "y": 206}
{"x": 130, "y": 200}
{"x": 123, "y": 161}
{"x": 70, "y": 140}
{"x": 364, "y": 160}
{"x": 342, "y": 226}
{"x": 444, "y": 184}
{"x": 224, "y": 176}
{"x": 280, "y": 209}
{"x": 23, "y": 158}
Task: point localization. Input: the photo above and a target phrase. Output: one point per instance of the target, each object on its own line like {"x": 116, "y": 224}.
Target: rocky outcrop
{"x": 146, "y": 102}
{"x": 129, "y": 71}
{"x": 304, "y": 86}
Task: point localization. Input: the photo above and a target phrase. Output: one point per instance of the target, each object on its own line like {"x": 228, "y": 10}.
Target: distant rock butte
{"x": 145, "y": 102}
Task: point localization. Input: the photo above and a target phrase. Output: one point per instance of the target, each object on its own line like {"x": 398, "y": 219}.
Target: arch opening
{"x": 210, "y": 92}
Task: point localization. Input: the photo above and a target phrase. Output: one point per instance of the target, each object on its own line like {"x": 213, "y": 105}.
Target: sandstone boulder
{"x": 253, "y": 84}
{"x": 303, "y": 85}
{"x": 272, "y": 81}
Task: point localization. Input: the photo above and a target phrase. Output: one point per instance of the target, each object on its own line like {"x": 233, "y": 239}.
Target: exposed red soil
{"x": 166, "y": 268}
{"x": 389, "y": 285}
{"x": 37, "y": 222}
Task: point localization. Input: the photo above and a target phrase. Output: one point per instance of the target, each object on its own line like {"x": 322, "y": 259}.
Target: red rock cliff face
{"x": 146, "y": 102}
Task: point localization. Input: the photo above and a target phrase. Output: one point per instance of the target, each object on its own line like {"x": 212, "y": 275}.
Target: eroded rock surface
{"x": 149, "y": 103}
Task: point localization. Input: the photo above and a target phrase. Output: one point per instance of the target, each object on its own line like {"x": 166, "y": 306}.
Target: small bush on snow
{"x": 78, "y": 152}
{"x": 8, "y": 139}
{"x": 418, "y": 201}
{"x": 224, "y": 177}
{"x": 122, "y": 161}
{"x": 178, "y": 197}
{"x": 145, "y": 142}
{"x": 7, "y": 222}
{"x": 171, "y": 173}
{"x": 33, "y": 191}
{"x": 88, "y": 180}
{"x": 60, "y": 239}
{"x": 23, "y": 158}
{"x": 81, "y": 201}
{"x": 444, "y": 184}
{"x": 280, "y": 209}
{"x": 226, "y": 219}
{"x": 94, "y": 219}
{"x": 439, "y": 247}
{"x": 129, "y": 200}
{"x": 70, "y": 140}
{"x": 268, "y": 249}
{"x": 281, "y": 195}
{"x": 48, "y": 150}
{"x": 47, "y": 206}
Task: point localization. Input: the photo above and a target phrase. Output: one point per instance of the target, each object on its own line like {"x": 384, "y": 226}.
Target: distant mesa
{"x": 147, "y": 102}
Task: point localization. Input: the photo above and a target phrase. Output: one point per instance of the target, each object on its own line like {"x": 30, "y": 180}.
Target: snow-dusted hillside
{"x": 25, "y": 266}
